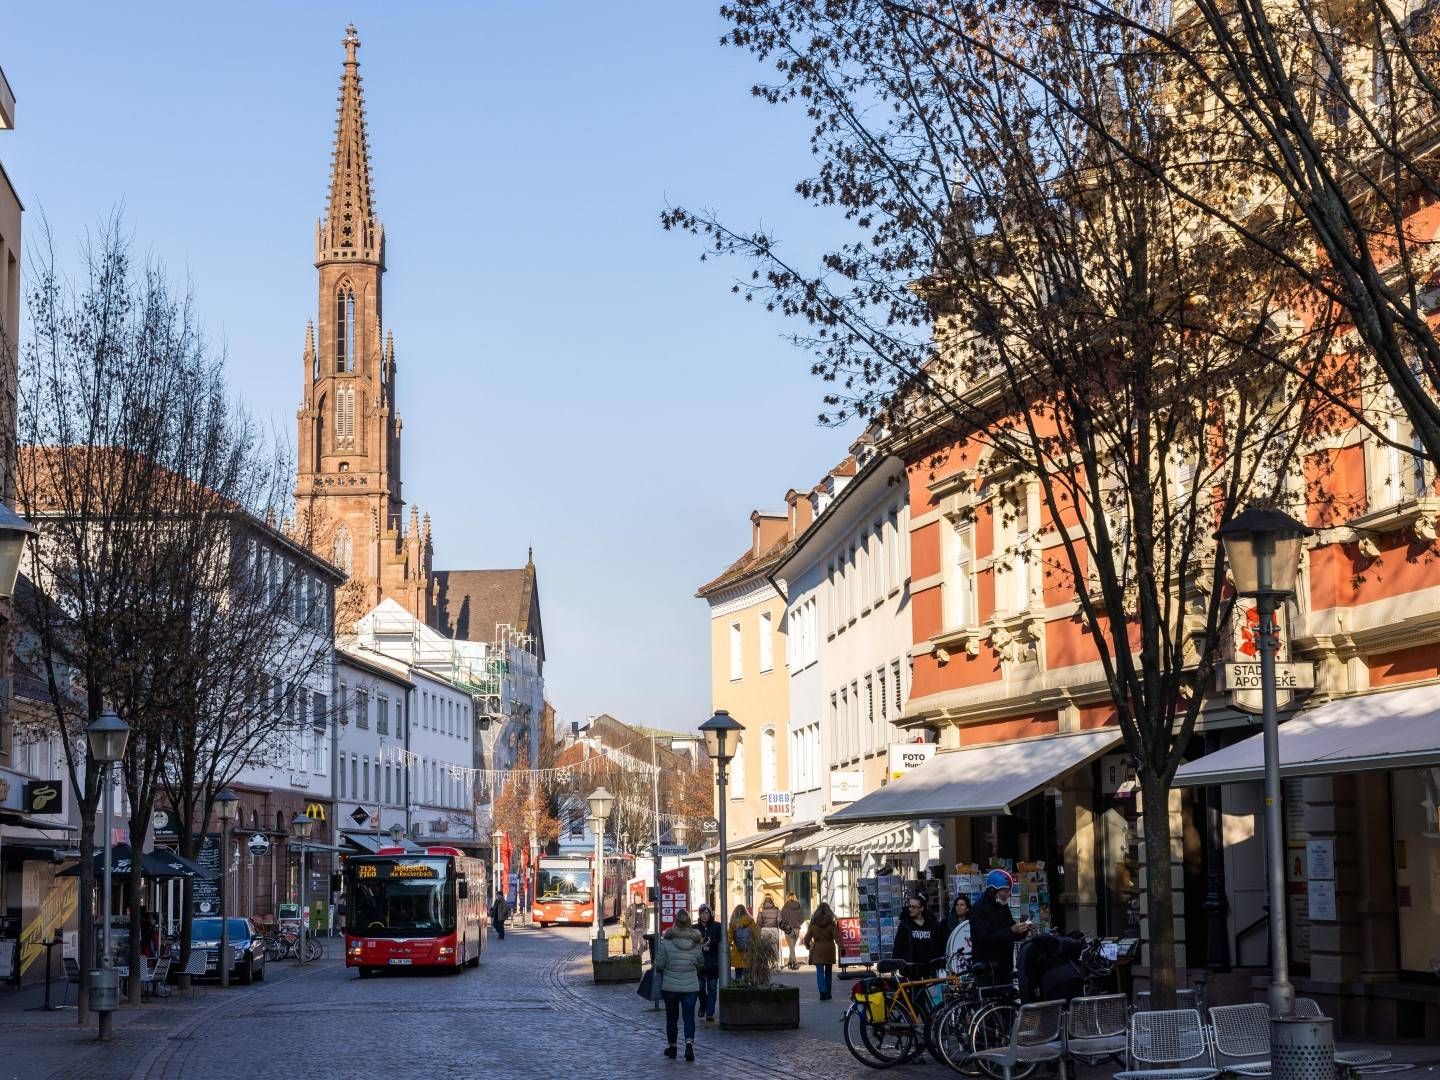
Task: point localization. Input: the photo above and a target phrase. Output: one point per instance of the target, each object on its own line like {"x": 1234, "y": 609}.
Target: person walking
{"x": 919, "y": 941}
{"x": 993, "y": 930}
{"x": 742, "y": 936}
{"x": 712, "y": 943}
{"x": 957, "y": 930}
{"x": 823, "y": 941}
{"x": 677, "y": 964}
{"x": 792, "y": 915}
{"x": 499, "y": 912}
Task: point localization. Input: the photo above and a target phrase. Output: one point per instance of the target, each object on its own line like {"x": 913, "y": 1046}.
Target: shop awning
{"x": 1394, "y": 729}
{"x": 761, "y": 842}
{"x": 980, "y": 780}
{"x": 884, "y": 836}
{"x": 366, "y": 842}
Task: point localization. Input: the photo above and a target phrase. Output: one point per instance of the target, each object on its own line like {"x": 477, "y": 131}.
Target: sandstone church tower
{"x": 347, "y": 490}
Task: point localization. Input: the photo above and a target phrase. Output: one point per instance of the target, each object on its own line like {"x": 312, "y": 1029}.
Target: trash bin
{"x": 1302, "y": 1048}
{"x": 104, "y": 990}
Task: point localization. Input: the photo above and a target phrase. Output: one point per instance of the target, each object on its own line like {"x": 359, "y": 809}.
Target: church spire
{"x": 349, "y": 229}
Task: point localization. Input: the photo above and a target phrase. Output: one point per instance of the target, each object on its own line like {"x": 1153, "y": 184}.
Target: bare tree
{"x": 1019, "y": 300}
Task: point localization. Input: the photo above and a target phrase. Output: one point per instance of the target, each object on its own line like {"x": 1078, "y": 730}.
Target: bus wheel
{"x": 366, "y": 972}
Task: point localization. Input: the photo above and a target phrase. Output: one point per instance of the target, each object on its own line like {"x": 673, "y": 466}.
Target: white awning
{"x": 979, "y": 780}
{"x": 1393, "y": 729}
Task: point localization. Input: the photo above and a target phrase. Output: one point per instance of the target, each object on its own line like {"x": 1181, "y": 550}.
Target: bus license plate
{"x": 396, "y": 960}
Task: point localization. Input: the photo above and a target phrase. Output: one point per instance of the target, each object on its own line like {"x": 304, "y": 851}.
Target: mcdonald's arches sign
{"x": 315, "y": 811}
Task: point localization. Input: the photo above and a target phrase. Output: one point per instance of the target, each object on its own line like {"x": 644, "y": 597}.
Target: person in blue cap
{"x": 993, "y": 930}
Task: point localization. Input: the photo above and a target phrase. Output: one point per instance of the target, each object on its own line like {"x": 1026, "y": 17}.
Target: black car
{"x": 247, "y": 947}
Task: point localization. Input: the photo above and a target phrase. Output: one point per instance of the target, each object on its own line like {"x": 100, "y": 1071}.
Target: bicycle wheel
{"x": 313, "y": 949}
{"x": 855, "y": 1041}
{"x": 949, "y": 1037}
{"x": 274, "y": 949}
{"x": 990, "y": 1030}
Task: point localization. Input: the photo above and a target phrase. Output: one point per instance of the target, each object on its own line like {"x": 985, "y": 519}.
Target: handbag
{"x": 647, "y": 984}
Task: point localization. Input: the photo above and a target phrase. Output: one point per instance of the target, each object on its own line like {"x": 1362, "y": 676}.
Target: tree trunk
{"x": 86, "y": 908}
{"x": 134, "y": 890}
{"x": 1159, "y": 892}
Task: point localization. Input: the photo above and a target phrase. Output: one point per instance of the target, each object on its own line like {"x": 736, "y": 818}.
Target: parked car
{"x": 247, "y": 947}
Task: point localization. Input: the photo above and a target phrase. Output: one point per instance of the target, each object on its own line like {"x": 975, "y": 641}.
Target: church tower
{"x": 347, "y": 492}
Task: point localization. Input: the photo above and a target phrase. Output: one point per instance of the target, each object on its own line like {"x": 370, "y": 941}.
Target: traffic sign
{"x": 670, "y": 849}
{"x": 258, "y": 844}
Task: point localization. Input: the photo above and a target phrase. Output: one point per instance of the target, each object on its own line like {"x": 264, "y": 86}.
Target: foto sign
{"x": 905, "y": 757}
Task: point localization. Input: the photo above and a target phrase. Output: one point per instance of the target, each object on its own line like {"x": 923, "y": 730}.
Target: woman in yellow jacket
{"x": 742, "y": 935}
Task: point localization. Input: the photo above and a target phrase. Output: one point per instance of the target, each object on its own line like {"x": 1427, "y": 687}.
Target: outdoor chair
{"x": 195, "y": 968}
{"x": 122, "y": 973}
{"x": 1184, "y": 999}
{"x": 72, "y": 977}
{"x": 1095, "y": 1028}
{"x": 1240, "y": 1036}
{"x": 1168, "y": 1045}
{"x": 1309, "y": 1008}
{"x": 1037, "y": 1035}
{"x": 158, "y": 977}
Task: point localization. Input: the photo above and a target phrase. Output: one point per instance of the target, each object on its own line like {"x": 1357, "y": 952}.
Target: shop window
{"x": 1416, "y": 807}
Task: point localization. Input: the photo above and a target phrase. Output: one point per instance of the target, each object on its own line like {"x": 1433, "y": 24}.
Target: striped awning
{"x": 885, "y": 836}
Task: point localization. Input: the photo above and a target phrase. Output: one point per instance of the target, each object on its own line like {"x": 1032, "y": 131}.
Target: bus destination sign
{"x": 396, "y": 871}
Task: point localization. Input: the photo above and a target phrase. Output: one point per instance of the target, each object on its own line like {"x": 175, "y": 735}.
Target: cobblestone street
{"x": 531, "y": 1010}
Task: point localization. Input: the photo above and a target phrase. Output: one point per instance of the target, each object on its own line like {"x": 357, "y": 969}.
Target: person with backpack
{"x": 742, "y": 935}
{"x": 677, "y": 965}
{"x": 499, "y": 912}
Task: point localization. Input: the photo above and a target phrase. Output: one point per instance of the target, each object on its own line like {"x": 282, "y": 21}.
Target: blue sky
{"x": 570, "y": 376}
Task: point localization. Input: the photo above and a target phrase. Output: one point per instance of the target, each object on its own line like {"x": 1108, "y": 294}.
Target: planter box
{"x": 617, "y": 969}
{"x": 750, "y": 1008}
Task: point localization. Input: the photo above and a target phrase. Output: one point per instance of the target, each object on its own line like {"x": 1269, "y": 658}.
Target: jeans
{"x": 709, "y": 994}
{"x": 823, "y": 974}
{"x": 675, "y": 1001}
{"x": 792, "y": 941}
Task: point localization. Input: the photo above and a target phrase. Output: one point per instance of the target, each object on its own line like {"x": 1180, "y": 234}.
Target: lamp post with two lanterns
{"x": 107, "y": 736}
{"x": 721, "y": 732}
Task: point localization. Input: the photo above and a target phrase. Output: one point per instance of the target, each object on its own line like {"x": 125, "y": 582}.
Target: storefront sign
{"x": 852, "y": 943}
{"x": 905, "y": 757}
{"x": 1241, "y": 675}
{"x": 674, "y": 895}
{"x": 846, "y": 787}
{"x": 258, "y": 844}
{"x": 1320, "y": 859}
{"x": 778, "y": 803}
{"x": 44, "y": 796}
{"x": 315, "y": 812}
{"x": 205, "y": 895}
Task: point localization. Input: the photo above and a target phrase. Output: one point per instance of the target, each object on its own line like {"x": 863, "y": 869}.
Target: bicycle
{"x": 890, "y": 1021}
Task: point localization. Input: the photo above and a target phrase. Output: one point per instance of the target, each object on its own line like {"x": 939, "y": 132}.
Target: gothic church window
{"x": 345, "y": 330}
{"x": 344, "y": 549}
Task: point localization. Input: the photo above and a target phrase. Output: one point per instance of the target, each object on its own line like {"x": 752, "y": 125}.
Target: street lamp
{"x": 1263, "y": 549}
{"x": 601, "y": 802}
{"x": 533, "y": 820}
{"x": 497, "y": 844}
{"x": 107, "y": 736}
{"x": 300, "y": 825}
{"x": 225, "y": 804}
{"x": 14, "y": 531}
{"x": 722, "y": 732}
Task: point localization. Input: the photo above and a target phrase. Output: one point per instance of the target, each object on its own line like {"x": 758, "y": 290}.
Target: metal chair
{"x": 72, "y": 977}
{"x": 1240, "y": 1037}
{"x": 1095, "y": 1028}
{"x": 1168, "y": 1045}
{"x": 195, "y": 968}
{"x": 157, "y": 978}
{"x": 1184, "y": 999}
{"x": 1037, "y": 1035}
{"x": 1309, "y": 1009}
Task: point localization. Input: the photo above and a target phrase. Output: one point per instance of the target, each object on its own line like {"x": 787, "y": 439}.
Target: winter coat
{"x": 823, "y": 940}
{"x": 679, "y": 960}
{"x": 769, "y": 915}
{"x": 992, "y": 939}
{"x": 920, "y": 942}
{"x": 742, "y": 933}
{"x": 713, "y": 935}
{"x": 791, "y": 916}
{"x": 499, "y": 910}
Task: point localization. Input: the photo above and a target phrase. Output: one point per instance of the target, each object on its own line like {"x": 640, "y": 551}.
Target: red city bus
{"x": 414, "y": 909}
{"x": 563, "y": 889}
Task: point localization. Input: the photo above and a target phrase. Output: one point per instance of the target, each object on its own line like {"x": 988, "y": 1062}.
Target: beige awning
{"x": 1394, "y": 729}
{"x": 979, "y": 780}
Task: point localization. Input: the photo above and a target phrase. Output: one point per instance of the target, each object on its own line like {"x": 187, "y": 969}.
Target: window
{"x": 831, "y": 616}
{"x": 344, "y": 549}
{"x": 767, "y": 642}
{"x": 377, "y": 779}
{"x": 834, "y": 722}
{"x": 345, "y": 330}
{"x": 852, "y": 737}
{"x": 387, "y": 781}
{"x": 735, "y": 663}
{"x": 340, "y": 778}
{"x": 382, "y": 715}
{"x": 768, "y": 763}
{"x": 354, "y": 777}
{"x": 852, "y": 572}
{"x": 897, "y": 544}
{"x": 878, "y": 561}
{"x": 884, "y": 707}
{"x": 1021, "y": 570}
{"x": 737, "y": 770}
{"x": 365, "y": 771}
{"x": 842, "y": 729}
{"x": 362, "y": 709}
{"x": 870, "y": 715}
{"x": 962, "y": 588}
{"x": 320, "y": 721}
{"x": 899, "y": 697}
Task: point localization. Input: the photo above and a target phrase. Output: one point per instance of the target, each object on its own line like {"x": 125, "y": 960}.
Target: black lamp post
{"x": 722, "y": 733}
{"x": 300, "y": 825}
{"x": 225, "y": 805}
{"x": 107, "y": 736}
{"x": 1262, "y": 547}
{"x": 14, "y": 531}
{"x": 601, "y": 802}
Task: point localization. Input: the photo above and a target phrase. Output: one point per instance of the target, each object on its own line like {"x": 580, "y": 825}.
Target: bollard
{"x": 1302, "y": 1048}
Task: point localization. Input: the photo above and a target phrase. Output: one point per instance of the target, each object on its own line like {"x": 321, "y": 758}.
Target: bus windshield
{"x": 557, "y": 884}
{"x": 401, "y": 897}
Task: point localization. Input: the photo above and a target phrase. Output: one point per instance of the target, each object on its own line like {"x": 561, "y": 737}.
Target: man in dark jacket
{"x": 499, "y": 912}
{"x": 919, "y": 938}
{"x": 712, "y": 945}
{"x": 993, "y": 930}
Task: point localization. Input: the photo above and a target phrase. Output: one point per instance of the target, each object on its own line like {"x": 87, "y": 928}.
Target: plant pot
{"x": 756, "y": 1008}
{"x": 617, "y": 969}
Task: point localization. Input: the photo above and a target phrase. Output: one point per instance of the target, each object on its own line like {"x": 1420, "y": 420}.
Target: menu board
{"x": 852, "y": 942}
{"x": 205, "y": 895}
{"x": 674, "y": 895}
